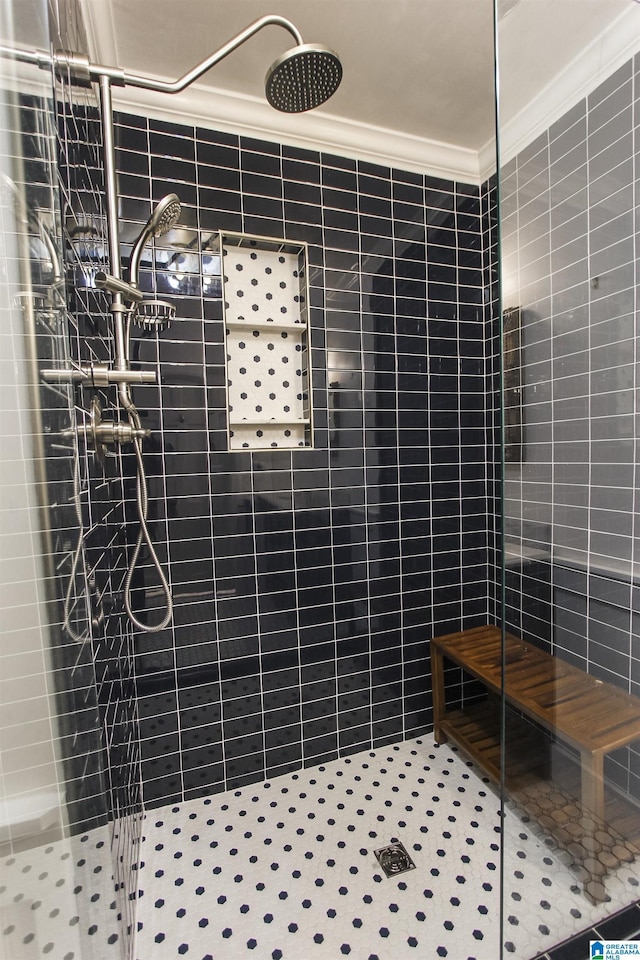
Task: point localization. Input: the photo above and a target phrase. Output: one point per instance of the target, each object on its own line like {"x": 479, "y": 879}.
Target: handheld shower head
{"x": 303, "y": 78}
{"x": 164, "y": 218}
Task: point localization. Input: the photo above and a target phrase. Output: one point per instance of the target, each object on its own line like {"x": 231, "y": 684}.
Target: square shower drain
{"x": 394, "y": 859}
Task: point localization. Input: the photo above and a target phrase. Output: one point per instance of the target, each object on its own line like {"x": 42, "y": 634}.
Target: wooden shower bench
{"x": 592, "y": 716}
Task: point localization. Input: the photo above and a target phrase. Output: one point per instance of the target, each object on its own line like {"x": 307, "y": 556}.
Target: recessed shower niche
{"x": 265, "y": 294}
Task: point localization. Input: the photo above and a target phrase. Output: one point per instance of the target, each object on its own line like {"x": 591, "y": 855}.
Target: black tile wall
{"x": 307, "y": 583}
{"x": 493, "y": 411}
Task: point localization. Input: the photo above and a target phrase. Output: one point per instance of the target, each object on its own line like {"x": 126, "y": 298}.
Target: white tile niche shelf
{"x": 265, "y": 294}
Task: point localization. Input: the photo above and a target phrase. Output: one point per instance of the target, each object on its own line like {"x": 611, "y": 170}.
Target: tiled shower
{"x": 302, "y": 578}
{"x": 306, "y": 582}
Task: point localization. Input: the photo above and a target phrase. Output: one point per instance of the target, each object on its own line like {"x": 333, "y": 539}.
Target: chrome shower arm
{"x": 176, "y": 86}
{"x": 79, "y": 64}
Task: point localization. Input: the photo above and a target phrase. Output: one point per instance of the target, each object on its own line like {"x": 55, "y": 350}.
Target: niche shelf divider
{"x": 266, "y": 317}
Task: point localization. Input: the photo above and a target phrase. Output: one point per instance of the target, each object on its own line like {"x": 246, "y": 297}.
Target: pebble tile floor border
{"x": 285, "y": 870}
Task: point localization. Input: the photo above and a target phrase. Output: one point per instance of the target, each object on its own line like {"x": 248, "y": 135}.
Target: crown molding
{"x": 100, "y": 32}
{"x": 580, "y": 77}
{"x": 488, "y": 160}
{"x": 218, "y": 110}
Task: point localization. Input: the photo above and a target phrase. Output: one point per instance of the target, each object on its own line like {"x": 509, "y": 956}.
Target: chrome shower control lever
{"x": 114, "y": 432}
{"x": 101, "y": 433}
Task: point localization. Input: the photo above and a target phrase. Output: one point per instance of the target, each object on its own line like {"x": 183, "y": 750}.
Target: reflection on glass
{"x": 55, "y": 844}
{"x": 567, "y": 235}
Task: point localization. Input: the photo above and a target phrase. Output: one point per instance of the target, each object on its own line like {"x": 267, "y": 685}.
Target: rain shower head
{"x": 303, "y": 78}
{"x": 154, "y": 314}
{"x": 163, "y": 218}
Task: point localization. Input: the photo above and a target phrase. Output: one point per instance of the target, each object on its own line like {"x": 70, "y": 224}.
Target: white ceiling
{"x": 395, "y": 63}
{"x": 418, "y": 74}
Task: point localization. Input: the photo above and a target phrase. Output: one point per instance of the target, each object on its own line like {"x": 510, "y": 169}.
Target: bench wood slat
{"x": 593, "y": 716}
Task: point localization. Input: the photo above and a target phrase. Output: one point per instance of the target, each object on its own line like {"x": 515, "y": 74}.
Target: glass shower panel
{"x": 569, "y": 167}
{"x": 56, "y": 888}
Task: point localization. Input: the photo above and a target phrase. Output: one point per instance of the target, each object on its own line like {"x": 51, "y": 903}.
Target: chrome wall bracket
{"x": 98, "y": 375}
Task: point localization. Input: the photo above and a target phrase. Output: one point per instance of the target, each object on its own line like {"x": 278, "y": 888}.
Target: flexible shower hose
{"x": 142, "y": 499}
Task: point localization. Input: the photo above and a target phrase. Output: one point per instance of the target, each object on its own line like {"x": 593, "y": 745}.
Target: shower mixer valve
{"x": 101, "y": 434}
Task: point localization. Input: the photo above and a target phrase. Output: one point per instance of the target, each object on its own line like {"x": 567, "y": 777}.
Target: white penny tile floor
{"x": 286, "y": 870}
{"x": 57, "y": 901}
